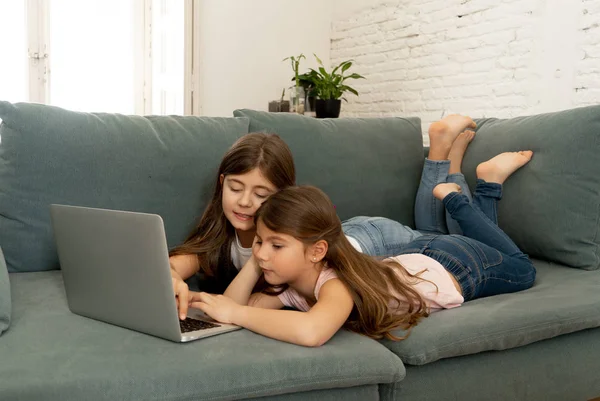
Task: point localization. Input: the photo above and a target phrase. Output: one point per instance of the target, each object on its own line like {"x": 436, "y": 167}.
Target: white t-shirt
{"x": 239, "y": 254}
{"x": 354, "y": 243}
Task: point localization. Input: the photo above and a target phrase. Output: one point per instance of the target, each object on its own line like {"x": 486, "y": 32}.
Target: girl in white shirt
{"x": 256, "y": 166}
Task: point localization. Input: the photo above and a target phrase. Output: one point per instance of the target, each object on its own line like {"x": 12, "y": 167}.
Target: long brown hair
{"x": 211, "y": 239}
{"x": 383, "y": 301}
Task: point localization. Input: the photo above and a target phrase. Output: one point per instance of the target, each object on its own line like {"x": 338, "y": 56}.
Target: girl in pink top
{"x": 310, "y": 265}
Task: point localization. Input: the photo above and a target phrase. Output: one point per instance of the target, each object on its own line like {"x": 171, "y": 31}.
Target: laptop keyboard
{"x": 190, "y": 324}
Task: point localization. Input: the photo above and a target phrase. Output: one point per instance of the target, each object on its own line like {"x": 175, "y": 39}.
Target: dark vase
{"x": 328, "y": 108}
{"x": 311, "y": 102}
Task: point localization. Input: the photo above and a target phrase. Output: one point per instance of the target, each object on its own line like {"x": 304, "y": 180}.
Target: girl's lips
{"x": 243, "y": 217}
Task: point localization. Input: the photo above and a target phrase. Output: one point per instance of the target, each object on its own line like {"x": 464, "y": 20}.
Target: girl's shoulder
{"x": 326, "y": 274}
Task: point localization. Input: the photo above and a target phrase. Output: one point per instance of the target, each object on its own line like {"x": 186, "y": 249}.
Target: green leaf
{"x": 351, "y": 90}
{"x": 318, "y": 59}
{"x": 355, "y": 76}
{"x": 346, "y": 65}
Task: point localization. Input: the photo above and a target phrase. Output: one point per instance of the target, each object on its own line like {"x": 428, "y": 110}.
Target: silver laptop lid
{"x": 116, "y": 268}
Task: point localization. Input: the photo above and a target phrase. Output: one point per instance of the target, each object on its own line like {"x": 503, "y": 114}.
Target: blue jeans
{"x": 380, "y": 236}
{"x": 430, "y": 214}
{"x": 484, "y": 261}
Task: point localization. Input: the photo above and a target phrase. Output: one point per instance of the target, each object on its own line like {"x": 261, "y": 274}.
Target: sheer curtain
{"x": 91, "y": 55}
{"x": 13, "y": 50}
{"x": 123, "y": 56}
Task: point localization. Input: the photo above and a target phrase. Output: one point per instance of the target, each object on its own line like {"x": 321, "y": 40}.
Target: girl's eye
{"x": 257, "y": 242}
{"x": 275, "y": 246}
{"x": 235, "y": 189}
{"x": 262, "y": 196}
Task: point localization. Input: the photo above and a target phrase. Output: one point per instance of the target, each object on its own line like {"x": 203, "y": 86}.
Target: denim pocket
{"x": 392, "y": 234}
{"x": 488, "y": 256}
{"x": 451, "y": 263}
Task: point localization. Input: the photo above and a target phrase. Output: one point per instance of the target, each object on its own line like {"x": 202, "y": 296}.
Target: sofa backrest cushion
{"x": 155, "y": 164}
{"x": 551, "y": 207}
{"x": 367, "y": 166}
{"x": 5, "y": 305}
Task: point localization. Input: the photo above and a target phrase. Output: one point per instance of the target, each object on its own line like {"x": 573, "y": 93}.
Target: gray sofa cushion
{"x": 155, "y": 164}
{"x": 5, "y": 306}
{"x": 564, "y": 368}
{"x": 368, "y": 166}
{"x": 551, "y": 207}
{"x": 57, "y": 355}
{"x": 563, "y": 300}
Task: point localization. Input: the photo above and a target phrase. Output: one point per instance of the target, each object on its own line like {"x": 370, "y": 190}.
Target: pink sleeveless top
{"x": 436, "y": 288}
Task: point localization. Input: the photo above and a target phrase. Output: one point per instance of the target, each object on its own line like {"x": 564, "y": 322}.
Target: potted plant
{"x": 330, "y": 86}
{"x": 297, "y": 91}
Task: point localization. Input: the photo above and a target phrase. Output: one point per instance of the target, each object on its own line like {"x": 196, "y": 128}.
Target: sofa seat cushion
{"x": 156, "y": 164}
{"x": 57, "y": 355}
{"x": 563, "y": 300}
{"x": 367, "y": 166}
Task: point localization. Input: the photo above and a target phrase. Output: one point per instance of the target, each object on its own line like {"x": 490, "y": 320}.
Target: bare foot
{"x": 443, "y": 133}
{"x": 442, "y": 190}
{"x": 457, "y": 151}
{"x": 500, "y": 167}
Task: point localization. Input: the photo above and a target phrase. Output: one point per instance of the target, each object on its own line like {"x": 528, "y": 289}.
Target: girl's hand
{"x": 219, "y": 307}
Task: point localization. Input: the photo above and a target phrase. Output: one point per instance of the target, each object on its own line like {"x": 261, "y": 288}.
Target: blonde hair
{"x": 383, "y": 293}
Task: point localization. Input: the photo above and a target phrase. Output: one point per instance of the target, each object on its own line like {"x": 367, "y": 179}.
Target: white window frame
{"x": 143, "y": 57}
{"x": 39, "y": 54}
{"x": 38, "y": 51}
{"x": 191, "y": 85}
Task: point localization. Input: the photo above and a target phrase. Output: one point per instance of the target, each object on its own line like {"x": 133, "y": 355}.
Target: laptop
{"x": 115, "y": 266}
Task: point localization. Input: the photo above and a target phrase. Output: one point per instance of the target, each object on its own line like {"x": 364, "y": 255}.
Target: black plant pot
{"x": 328, "y": 108}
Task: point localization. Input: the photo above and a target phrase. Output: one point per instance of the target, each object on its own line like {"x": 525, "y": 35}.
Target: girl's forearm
{"x": 284, "y": 325}
{"x": 241, "y": 287}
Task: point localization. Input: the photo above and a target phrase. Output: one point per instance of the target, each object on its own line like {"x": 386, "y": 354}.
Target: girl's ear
{"x": 221, "y": 179}
{"x": 318, "y": 250}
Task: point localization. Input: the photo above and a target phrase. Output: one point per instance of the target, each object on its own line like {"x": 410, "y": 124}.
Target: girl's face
{"x": 282, "y": 258}
{"x": 242, "y": 195}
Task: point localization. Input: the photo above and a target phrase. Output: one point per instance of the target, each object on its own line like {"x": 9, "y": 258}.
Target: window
{"x": 13, "y": 68}
{"x": 124, "y": 56}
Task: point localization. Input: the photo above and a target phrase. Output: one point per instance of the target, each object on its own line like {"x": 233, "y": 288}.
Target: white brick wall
{"x": 499, "y": 58}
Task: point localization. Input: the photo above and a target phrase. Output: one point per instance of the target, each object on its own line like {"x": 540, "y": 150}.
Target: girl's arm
{"x": 312, "y": 328}
{"x": 185, "y": 266}
{"x": 241, "y": 287}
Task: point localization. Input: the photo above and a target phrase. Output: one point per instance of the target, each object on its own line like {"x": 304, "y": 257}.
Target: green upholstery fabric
{"x": 563, "y": 368}
{"x": 563, "y": 300}
{"x": 367, "y": 166}
{"x": 5, "y": 306}
{"x": 155, "y": 164}
{"x": 57, "y": 355}
{"x": 550, "y": 208}
{"x": 358, "y": 393}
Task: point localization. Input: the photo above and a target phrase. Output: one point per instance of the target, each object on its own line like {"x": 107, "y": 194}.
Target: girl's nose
{"x": 259, "y": 252}
{"x": 245, "y": 200}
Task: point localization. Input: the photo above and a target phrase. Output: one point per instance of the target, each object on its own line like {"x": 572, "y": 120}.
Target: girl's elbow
{"x": 313, "y": 338}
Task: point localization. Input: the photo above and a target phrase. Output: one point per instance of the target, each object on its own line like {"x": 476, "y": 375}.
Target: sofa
{"x": 539, "y": 344}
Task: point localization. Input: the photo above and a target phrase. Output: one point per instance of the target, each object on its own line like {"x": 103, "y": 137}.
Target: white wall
{"x": 498, "y": 58}
{"x": 244, "y": 42}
